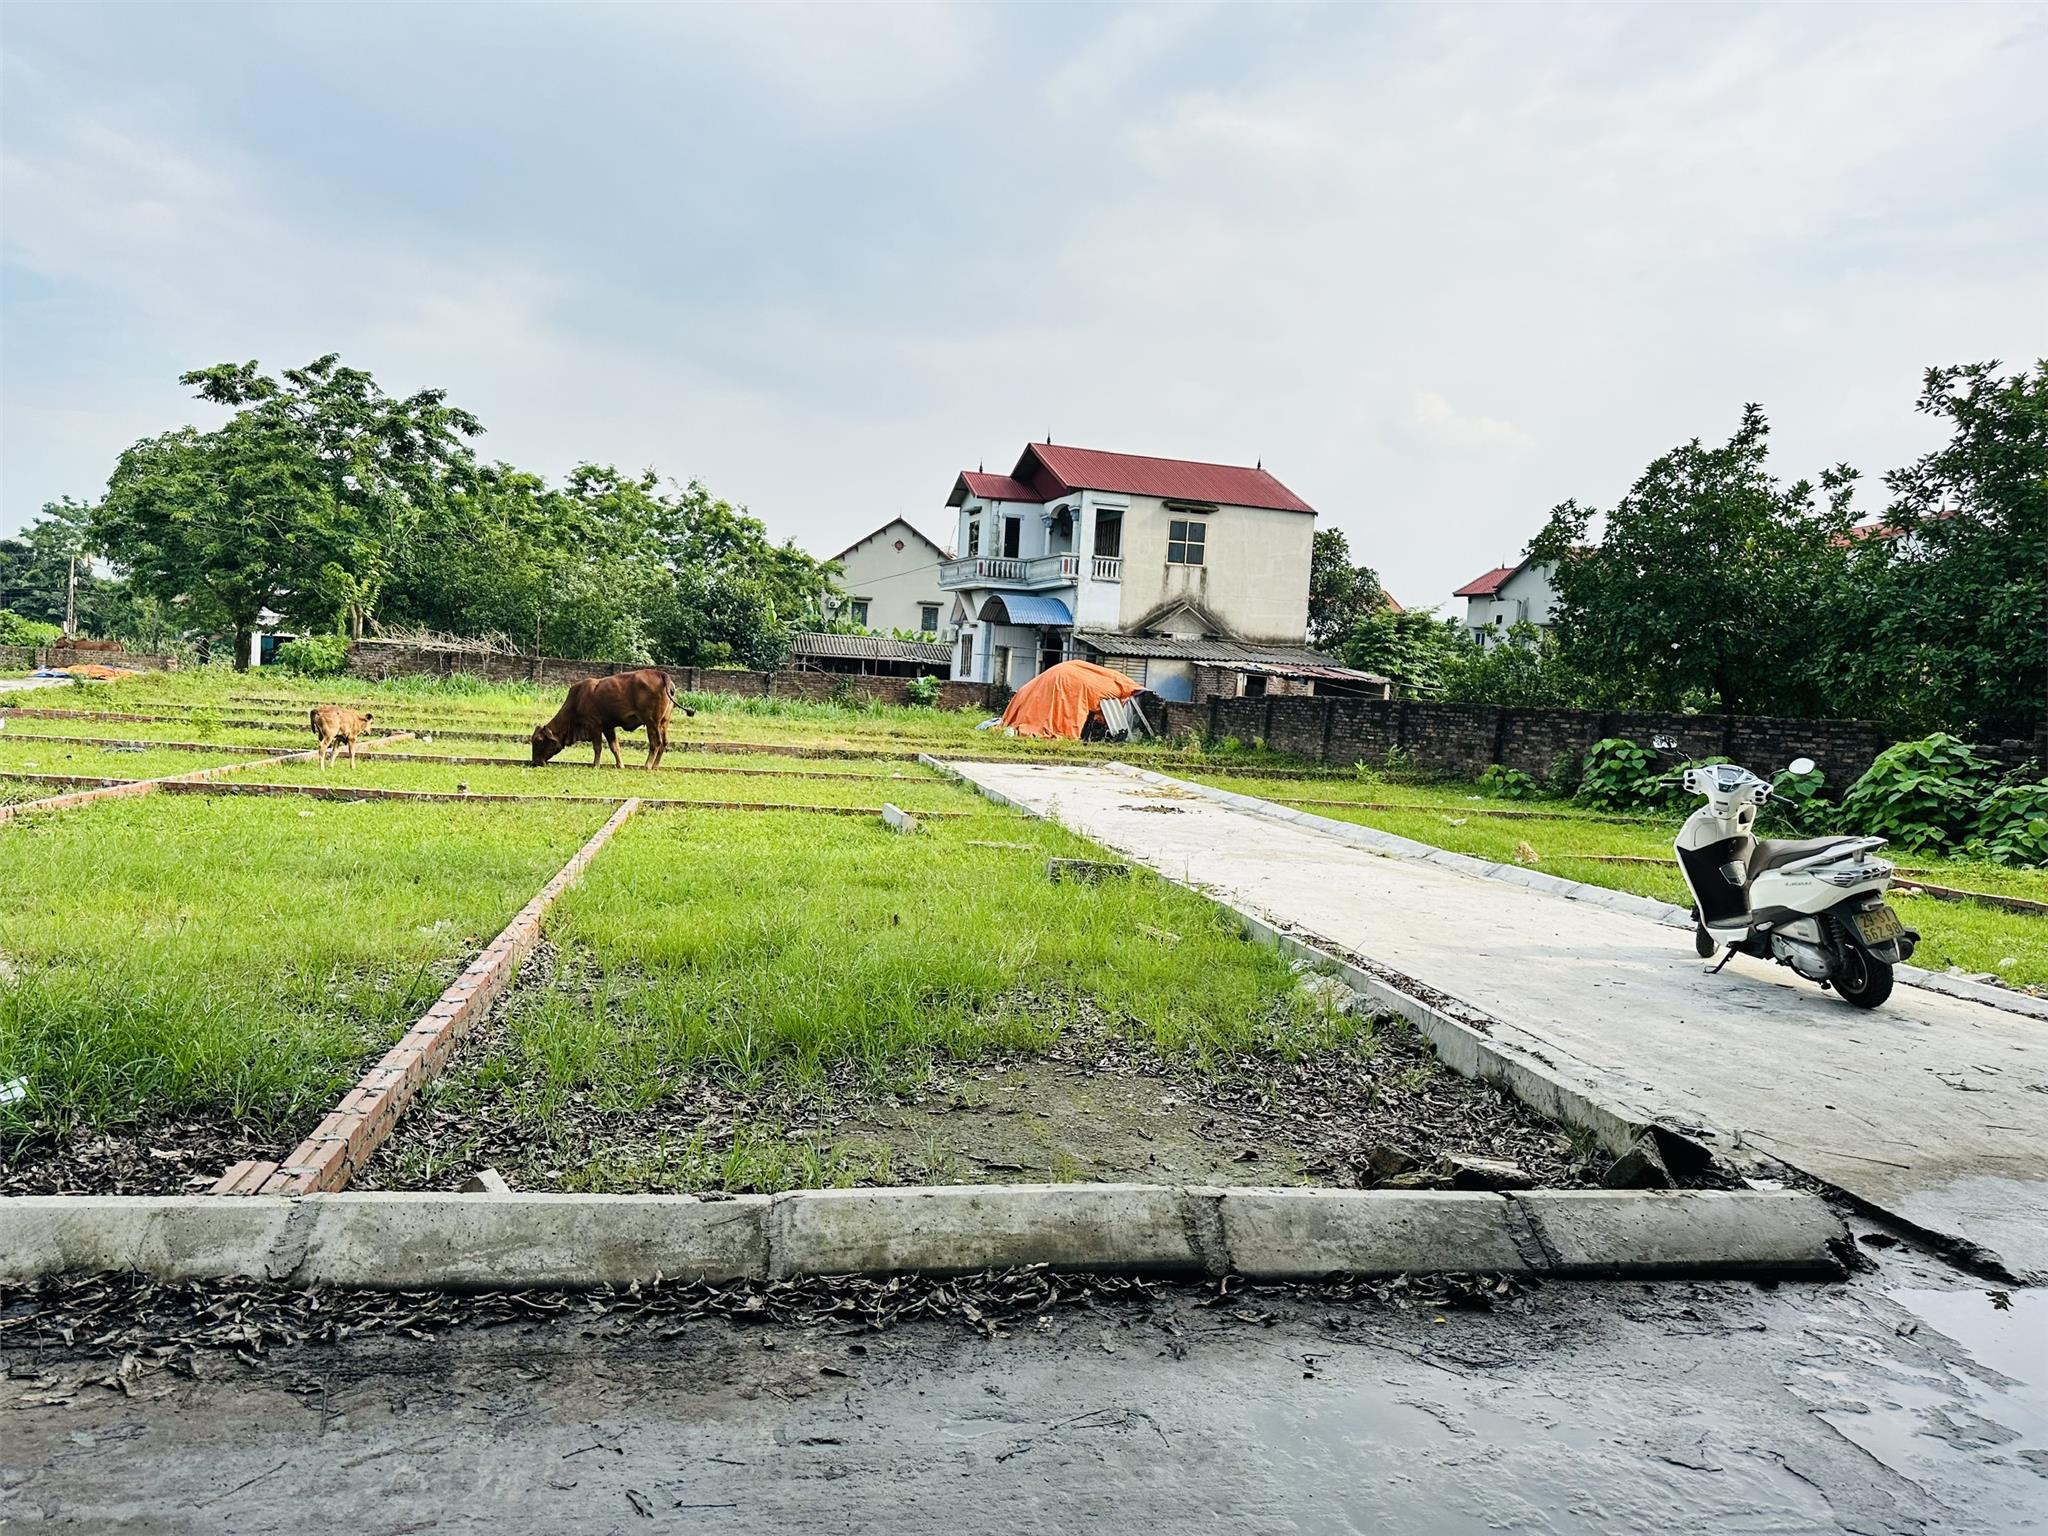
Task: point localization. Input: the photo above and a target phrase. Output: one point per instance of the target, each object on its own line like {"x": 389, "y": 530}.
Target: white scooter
{"x": 1815, "y": 904}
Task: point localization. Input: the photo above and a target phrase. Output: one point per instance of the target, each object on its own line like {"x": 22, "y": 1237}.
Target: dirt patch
{"x": 160, "y": 1157}
{"x": 1096, "y": 1104}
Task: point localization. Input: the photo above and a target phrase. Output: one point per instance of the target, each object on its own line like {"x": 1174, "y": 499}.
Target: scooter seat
{"x": 1770, "y": 855}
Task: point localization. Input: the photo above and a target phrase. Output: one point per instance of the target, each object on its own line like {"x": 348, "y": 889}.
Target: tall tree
{"x": 1948, "y": 626}
{"x": 1707, "y": 585}
{"x": 1340, "y": 594}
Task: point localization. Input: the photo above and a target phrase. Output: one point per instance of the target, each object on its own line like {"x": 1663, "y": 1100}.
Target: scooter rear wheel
{"x": 1864, "y": 981}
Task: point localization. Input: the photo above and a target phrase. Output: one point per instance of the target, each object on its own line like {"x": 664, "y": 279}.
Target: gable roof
{"x": 1490, "y": 583}
{"x": 916, "y": 533}
{"x": 1049, "y": 470}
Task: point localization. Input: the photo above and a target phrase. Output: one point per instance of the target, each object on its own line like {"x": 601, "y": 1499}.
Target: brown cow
{"x": 598, "y": 708}
{"x": 337, "y": 728}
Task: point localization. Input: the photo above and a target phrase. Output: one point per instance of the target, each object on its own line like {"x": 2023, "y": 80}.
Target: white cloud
{"x": 1431, "y": 415}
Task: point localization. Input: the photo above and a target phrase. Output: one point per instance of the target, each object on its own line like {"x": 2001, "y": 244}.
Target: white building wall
{"x": 896, "y": 583}
{"x": 1528, "y": 597}
{"x": 1253, "y": 578}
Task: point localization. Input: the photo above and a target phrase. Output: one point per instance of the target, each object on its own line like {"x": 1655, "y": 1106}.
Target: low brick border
{"x": 200, "y": 779}
{"x": 455, "y": 1241}
{"x": 351, "y": 1135}
{"x": 1395, "y": 846}
{"x": 129, "y": 741}
{"x": 450, "y": 797}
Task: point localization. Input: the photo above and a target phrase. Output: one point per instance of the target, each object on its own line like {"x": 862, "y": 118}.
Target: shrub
{"x": 313, "y": 656}
{"x": 205, "y": 723}
{"x": 1563, "y": 780}
{"x": 1507, "y": 783}
{"x": 922, "y": 690}
{"x": 1921, "y": 794}
{"x": 15, "y": 630}
{"x": 2013, "y": 826}
{"x": 1612, "y": 776}
{"x": 1799, "y": 804}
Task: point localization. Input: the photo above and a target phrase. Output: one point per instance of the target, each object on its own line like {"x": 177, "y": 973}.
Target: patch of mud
{"x": 161, "y": 1157}
{"x": 1094, "y": 1105}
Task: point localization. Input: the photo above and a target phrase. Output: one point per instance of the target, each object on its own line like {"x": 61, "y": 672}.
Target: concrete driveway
{"x": 1931, "y": 1109}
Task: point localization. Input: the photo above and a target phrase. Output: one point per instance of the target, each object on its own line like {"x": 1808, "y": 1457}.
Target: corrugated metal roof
{"x": 1291, "y": 658}
{"x": 869, "y": 648}
{"x": 1023, "y": 608}
{"x": 992, "y": 487}
{"x": 1135, "y": 474}
{"x": 1488, "y": 584}
{"x": 1047, "y": 471}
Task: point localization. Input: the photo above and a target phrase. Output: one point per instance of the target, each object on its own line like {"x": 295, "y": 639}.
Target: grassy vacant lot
{"x": 1560, "y": 839}
{"x": 239, "y": 958}
{"x": 24, "y": 755}
{"x": 756, "y": 1001}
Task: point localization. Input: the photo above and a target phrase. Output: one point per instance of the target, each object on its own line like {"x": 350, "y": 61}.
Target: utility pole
{"x": 71, "y": 601}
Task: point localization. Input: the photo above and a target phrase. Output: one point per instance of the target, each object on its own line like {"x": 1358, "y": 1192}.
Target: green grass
{"x": 241, "y": 956}
{"x": 757, "y": 944}
{"x": 22, "y": 755}
{"x": 916, "y": 789}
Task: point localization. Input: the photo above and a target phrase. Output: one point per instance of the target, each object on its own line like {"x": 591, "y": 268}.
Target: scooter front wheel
{"x": 1863, "y": 981}
{"x": 1702, "y": 942}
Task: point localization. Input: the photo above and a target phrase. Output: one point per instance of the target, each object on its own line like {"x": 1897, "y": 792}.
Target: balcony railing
{"x": 1007, "y": 571}
{"x": 1106, "y": 567}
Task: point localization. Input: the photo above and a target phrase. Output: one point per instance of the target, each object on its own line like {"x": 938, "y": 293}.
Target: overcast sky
{"x": 1438, "y": 268}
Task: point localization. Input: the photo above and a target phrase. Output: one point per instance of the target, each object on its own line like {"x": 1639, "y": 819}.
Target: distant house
{"x": 1505, "y": 596}
{"x": 1160, "y": 568}
{"x": 891, "y": 580}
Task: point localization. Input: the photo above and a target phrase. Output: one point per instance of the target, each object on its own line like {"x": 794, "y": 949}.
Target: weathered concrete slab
{"x": 1932, "y": 1109}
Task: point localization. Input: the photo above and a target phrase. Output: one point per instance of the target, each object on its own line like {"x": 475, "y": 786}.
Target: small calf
{"x": 338, "y": 728}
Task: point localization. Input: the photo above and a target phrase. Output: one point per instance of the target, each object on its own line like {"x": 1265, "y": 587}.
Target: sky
{"x": 1438, "y": 268}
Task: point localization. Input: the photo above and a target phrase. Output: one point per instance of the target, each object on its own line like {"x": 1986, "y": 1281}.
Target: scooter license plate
{"x": 1880, "y": 925}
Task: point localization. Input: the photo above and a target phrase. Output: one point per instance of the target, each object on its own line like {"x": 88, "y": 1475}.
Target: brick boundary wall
{"x": 350, "y": 1136}
{"x": 381, "y": 660}
{"x": 22, "y": 658}
{"x": 1464, "y": 739}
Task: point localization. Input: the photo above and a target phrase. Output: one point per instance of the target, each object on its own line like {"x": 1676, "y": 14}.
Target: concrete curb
{"x": 397, "y": 1241}
{"x": 1572, "y": 890}
{"x": 349, "y": 1137}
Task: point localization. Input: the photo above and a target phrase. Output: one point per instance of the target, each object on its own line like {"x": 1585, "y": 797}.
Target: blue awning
{"x": 1020, "y": 608}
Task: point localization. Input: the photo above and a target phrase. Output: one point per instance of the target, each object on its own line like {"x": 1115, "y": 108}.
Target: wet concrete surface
{"x": 1930, "y": 1108}
{"x": 1885, "y": 1405}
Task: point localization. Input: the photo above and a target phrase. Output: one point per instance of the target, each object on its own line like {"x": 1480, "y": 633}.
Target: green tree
{"x": 1524, "y": 671}
{"x": 1340, "y": 595}
{"x": 1414, "y": 649}
{"x": 1708, "y": 585}
{"x": 1947, "y": 622}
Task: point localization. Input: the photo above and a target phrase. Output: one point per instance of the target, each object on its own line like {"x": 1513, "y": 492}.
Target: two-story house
{"x": 1506, "y": 596}
{"x": 1172, "y": 571}
{"x": 891, "y": 581}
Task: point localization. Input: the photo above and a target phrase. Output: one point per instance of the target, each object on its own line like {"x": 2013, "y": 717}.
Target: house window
{"x": 1109, "y": 535}
{"x": 967, "y": 653}
{"x": 1013, "y": 531}
{"x": 1051, "y": 649}
{"x": 928, "y": 618}
{"x": 860, "y": 612}
{"x": 973, "y": 536}
{"x": 1255, "y": 685}
{"x": 1184, "y": 541}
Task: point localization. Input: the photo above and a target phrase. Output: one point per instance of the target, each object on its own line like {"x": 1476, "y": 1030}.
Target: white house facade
{"x": 1506, "y": 596}
{"x": 1077, "y": 545}
{"x": 891, "y": 581}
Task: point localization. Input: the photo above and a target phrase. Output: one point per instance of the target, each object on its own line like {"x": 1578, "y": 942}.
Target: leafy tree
{"x": 1708, "y": 585}
{"x": 1523, "y": 671}
{"x": 1340, "y": 595}
{"x": 1947, "y": 622}
{"x": 1414, "y": 649}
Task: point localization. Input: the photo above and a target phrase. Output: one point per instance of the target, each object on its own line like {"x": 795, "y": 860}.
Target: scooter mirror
{"x": 1800, "y": 766}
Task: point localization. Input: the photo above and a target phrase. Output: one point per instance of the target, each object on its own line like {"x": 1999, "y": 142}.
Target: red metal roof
{"x": 1056, "y": 468}
{"x": 1488, "y": 584}
{"x": 996, "y": 487}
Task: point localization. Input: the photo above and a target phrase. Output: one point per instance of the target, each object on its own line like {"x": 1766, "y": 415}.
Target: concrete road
{"x": 21, "y": 684}
{"x": 1932, "y": 1109}
{"x": 1596, "y": 1408}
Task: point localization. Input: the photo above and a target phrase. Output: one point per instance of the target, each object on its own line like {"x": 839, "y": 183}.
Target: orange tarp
{"x": 1059, "y": 700}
